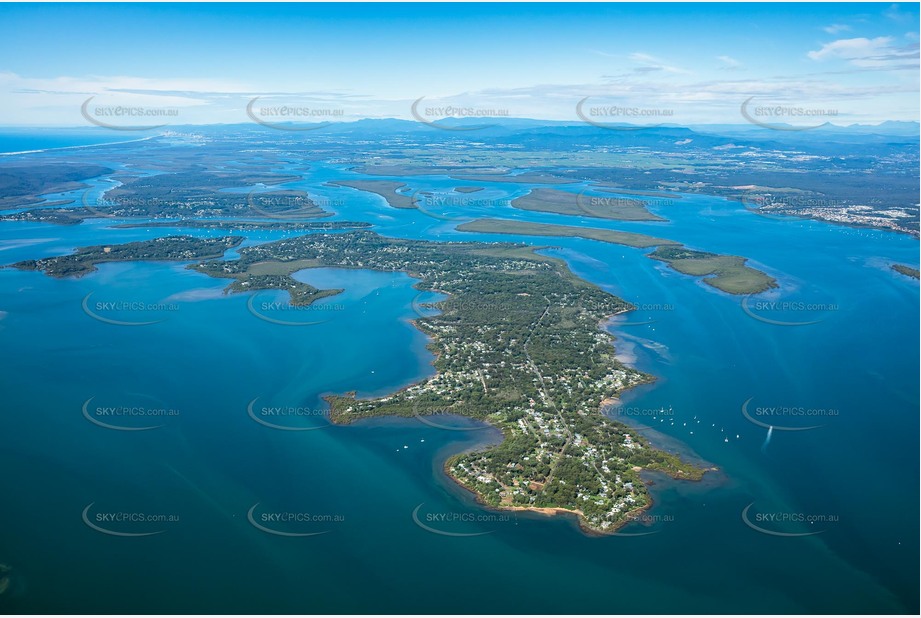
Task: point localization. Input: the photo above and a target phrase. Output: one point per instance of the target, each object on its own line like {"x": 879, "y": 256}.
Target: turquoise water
{"x": 208, "y": 357}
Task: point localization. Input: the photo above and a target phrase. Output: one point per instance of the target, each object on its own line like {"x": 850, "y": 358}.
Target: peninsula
{"x": 170, "y": 248}
{"x": 518, "y": 345}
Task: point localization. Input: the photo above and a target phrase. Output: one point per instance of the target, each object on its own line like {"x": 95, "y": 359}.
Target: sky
{"x": 727, "y": 63}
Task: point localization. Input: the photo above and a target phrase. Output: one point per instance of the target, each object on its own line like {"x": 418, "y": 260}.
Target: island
{"x": 518, "y": 344}
{"x": 472, "y": 172}
{"x": 724, "y": 272}
{"x": 528, "y": 228}
{"x": 58, "y": 216}
{"x": 170, "y": 248}
{"x": 387, "y": 189}
{"x": 579, "y": 204}
{"x": 908, "y": 271}
{"x": 727, "y": 273}
{"x": 274, "y": 275}
{"x": 237, "y": 224}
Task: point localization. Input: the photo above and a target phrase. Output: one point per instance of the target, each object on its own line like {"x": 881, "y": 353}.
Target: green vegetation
{"x": 518, "y": 345}
{"x": 387, "y": 189}
{"x": 272, "y": 275}
{"x": 478, "y": 172}
{"x": 729, "y": 272}
{"x": 21, "y": 185}
{"x": 724, "y": 272}
{"x": 193, "y": 194}
{"x": 579, "y": 204}
{"x": 251, "y": 225}
{"x": 908, "y": 271}
{"x": 301, "y": 294}
{"x": 170, "y": 248}
{"x": 526, "y": 228}
{"x": 58, "y": 216}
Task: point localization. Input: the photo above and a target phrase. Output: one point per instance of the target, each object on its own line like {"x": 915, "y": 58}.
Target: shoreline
{"x": 580, "y": 520}
{"x": 549, "y": 511}
{"x": 40, "y": 150}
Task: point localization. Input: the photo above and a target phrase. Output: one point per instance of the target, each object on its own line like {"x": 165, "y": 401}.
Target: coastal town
{"x": 518, "y": 345}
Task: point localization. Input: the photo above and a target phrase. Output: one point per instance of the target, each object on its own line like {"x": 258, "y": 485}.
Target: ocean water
{"x": 366, "y": 494}
{"x": 14, "y": 140}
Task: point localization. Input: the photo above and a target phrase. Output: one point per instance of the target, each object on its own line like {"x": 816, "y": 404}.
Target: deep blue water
{"x": 208, "y": 358}
{"x": 29, "y": 140}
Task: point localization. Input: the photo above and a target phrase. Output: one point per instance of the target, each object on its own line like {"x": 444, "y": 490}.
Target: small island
{"x": 580, "y": 204}
{"x": 236, "y": 224}
{"x": 727, "y": 273}
{"x": 528, "y": 228}
{"x": 387, "y": 189}
{"x": 908, "y": 271}
{"x": 724, "y": 272}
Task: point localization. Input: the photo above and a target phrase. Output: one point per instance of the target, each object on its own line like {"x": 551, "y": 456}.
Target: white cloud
{"x": 837, "y": 28}
{"x": 729, "y": 63}
{"x": 894, "y": 13}
{"x": 651, "y": 64}
{"x": 58, "y": 100}
{"x": 878, "y": 53}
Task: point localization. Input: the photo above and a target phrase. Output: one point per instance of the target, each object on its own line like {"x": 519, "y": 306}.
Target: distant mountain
{"x": 890, "y": 127}
{"x": 506, "y": 125}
